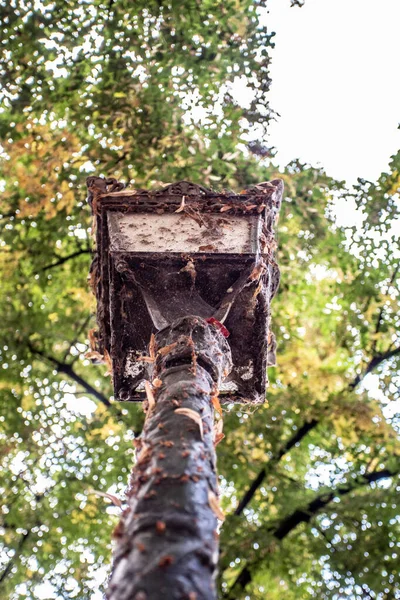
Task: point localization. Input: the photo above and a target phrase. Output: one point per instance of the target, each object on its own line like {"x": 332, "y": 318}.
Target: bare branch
{"x": 68, "y": 370}
{"x": 295, "y": 439}
{"x": 80, "y": 330}
{"x": 375, "y": 361}
{"x": 64, "y": 259}
{"x": 304, "y": 430}
{"x": 9, "y": 215}
{"x": 380, "y": 315}
{"x": 18, "y": 549}
{"x": 304, "y": 515}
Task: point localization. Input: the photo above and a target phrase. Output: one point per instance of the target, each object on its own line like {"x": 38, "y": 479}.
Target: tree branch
{"x": 296, "y": 438}
{"x": 64, "y": 259}
{"x": 375, "y": 361}
{"x": 68, "y": 370}
{"x": 8, "y": 215}
{"x": 304, "y": 430}
{"x": 304, "y": 515}
{"x": 18, "y": 549}
{"x": 80, "y": 330}
{"x": 380, "y": 315}
{"x": 25, "y": 536}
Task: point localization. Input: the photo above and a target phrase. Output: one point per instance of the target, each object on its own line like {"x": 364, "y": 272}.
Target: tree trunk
{"x": 166, "y": 541}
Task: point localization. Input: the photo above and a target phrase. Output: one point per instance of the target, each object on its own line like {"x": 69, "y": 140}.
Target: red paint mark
{"x": 165, "y": 561}
{"x": 219, "y": 326}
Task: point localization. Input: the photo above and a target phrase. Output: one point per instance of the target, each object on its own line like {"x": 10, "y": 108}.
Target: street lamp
{"x": 184, "y": 277}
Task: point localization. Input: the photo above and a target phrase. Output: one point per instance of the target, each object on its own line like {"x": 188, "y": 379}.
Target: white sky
{"x": 336, "y": 84}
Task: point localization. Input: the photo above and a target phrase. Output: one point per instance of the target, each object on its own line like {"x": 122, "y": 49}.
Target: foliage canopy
{"x": 145, "y": 91}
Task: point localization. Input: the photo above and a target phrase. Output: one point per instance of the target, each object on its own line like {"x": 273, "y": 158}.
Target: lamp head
{"x": 185, "y": 250}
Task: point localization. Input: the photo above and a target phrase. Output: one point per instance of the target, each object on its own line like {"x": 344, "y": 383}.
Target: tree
{"x": 313, "y": 474}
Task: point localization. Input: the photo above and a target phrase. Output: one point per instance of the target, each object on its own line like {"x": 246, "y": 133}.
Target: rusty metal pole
{"x": 167, "y": 541}
{"x": 162, "y": 256}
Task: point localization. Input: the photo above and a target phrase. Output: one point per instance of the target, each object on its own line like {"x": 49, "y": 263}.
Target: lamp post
{"x": 183, "y": 277}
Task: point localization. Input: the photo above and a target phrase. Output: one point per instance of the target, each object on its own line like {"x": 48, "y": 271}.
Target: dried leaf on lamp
{"x": 192, "y": 414}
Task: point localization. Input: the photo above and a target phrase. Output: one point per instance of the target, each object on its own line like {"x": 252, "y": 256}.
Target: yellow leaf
{"x": 150, "y": 395}
{"x": 163, "y": 351}
{"x": 216, "y": 404}
{"x": 108, "y": 361}
{"x": 192, "y": 414}
{"x": 218, "y": 435}
{"x": 214, "y": 505}
{"x": 152, "y": 347}
{"x": 94, "y": 355}
{"x": 114, "y": 499}
{"x": 182, "y": 205}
